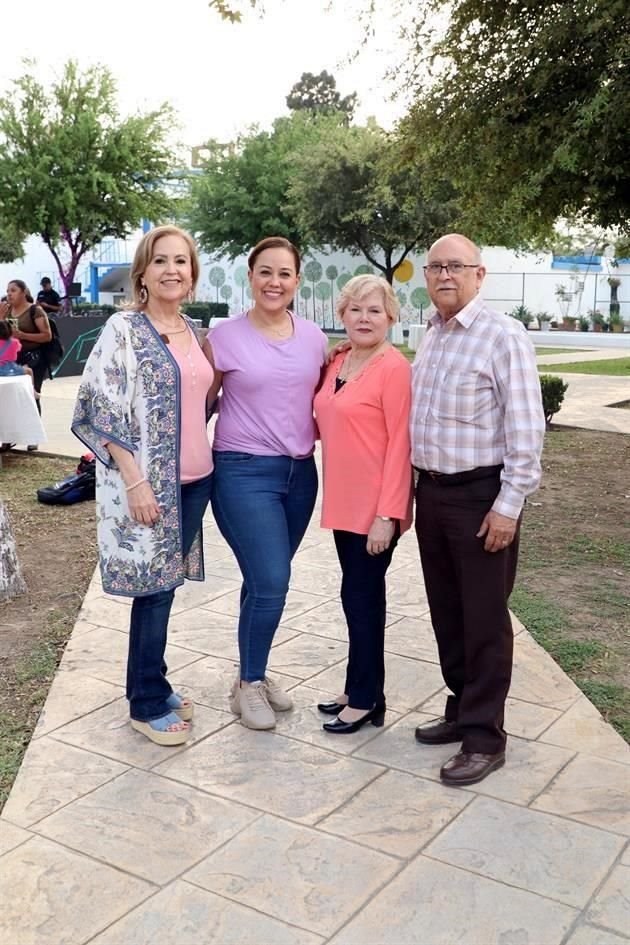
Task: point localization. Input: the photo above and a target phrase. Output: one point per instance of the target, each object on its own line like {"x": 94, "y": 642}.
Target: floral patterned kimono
{"x": 130, "y": 395}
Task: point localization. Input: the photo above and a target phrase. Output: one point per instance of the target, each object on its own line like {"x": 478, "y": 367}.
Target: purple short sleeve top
{"x": 268, "y": 387}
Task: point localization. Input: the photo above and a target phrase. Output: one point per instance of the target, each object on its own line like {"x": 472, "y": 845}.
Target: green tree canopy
{"x": 527, "y": 109}
{"x": 72, "y": 170}
{"x": 11, "y": 242}
{"x": 318, "y": 94}
{"x": 241, "y": 195}
{"x": 524, "y": 106}
{"x": 350, "y": 191}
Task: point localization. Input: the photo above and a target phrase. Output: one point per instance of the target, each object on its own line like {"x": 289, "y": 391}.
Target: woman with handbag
{"x": 32, "y": 329}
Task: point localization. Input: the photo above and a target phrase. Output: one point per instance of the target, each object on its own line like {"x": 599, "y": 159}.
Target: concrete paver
{"x": 295, "y": 837}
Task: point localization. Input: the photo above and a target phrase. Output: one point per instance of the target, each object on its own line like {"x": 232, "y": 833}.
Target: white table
{"x": 19, "y": 420}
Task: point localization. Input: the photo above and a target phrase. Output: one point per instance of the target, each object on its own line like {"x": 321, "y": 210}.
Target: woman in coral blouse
{"x": 362, "y": 410}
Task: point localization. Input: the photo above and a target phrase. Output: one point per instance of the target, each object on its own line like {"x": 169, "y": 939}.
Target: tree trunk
{"x": 11, "y": 581}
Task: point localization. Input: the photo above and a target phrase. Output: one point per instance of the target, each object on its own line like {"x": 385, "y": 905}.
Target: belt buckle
{"x": 434, "y": 475}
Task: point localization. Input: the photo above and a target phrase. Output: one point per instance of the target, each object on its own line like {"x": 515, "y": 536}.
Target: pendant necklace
{"x": 165, "y": 336}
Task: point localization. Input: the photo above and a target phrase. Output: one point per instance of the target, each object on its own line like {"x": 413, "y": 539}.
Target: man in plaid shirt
{"x": 477, "y": 428}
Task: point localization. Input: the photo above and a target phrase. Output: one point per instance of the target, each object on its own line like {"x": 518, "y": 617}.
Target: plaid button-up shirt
{"x": 476, "y": 401}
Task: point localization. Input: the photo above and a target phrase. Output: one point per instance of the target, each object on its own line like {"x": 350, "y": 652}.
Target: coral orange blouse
{"x": 364, "y": 429}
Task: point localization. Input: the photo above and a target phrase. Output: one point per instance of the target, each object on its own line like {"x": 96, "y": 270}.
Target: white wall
{"x": 512, "y": 278}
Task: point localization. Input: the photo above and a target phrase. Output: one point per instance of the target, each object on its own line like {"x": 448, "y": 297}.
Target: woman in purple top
{"x": 268, "y": 362}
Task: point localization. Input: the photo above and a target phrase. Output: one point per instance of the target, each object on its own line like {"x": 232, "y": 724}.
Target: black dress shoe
{"x": 376, "y": 716}
{"x": 437, "y": 732}
{"x": 334, "y": 708}
{"x": 467, "y": 767}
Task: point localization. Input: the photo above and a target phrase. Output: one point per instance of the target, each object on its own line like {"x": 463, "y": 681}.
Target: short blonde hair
{"x": 360, "y": 286}
{"x": 144, "y": 254}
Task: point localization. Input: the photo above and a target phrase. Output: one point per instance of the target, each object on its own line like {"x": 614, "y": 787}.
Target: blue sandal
{"x": 181, "y": 705}
{"x": 158, "y": 730}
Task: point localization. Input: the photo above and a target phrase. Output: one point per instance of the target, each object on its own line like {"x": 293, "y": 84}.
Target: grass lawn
{"x": 573, "y": 585}
{"x": 540, "y": 351}
{"x": 614, "y": 367}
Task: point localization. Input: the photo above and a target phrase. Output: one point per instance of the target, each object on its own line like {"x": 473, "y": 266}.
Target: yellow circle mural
{"x": 404, "y": 272}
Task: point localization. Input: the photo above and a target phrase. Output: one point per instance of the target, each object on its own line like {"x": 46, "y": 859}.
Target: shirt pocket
{"x": 465, "y": 396}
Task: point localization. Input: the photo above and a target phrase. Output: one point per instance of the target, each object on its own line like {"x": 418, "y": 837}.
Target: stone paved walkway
{"x": 296, "y": 837}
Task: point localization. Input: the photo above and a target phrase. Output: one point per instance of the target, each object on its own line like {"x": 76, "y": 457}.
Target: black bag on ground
{"x": 75, "y": 488}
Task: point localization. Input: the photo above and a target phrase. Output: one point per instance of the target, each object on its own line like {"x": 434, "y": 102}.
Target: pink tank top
{"x": 196, "y": 376}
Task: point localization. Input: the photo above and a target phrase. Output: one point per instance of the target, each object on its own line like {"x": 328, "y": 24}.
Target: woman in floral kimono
{"x": 141, "y": 408}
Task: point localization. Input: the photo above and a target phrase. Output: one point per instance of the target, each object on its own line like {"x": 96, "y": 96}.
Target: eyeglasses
{"x": 453, "y": 269}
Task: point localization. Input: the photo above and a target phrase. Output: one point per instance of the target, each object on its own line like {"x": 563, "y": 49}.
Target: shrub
{"x": 553, "y": 389}
{"x": 596, "y": 317}
{"x": 584, "y": 322}
{"x": 93, "y": 308}
{"x": 206, "y": 310}
{"x": 522, "y": 314}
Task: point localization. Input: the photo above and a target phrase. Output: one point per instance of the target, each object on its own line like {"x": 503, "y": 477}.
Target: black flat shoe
{"x": 376, "y": 716}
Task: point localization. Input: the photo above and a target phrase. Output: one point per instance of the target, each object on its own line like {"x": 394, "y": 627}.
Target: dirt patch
{"x": 57, "y": 552}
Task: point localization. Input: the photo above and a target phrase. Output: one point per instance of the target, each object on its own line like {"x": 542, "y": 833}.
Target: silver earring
{"x": 143, "y": 295}
{"x": 191, "y": 295}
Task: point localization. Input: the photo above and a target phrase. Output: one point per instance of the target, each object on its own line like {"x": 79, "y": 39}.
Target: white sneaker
{"x": 278, "y": 698}
{"x": 252, "y": 704}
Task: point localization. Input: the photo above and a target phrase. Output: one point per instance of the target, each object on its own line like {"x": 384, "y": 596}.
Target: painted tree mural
{"x": 216, "y": 278}
{"x": 240, "y": 279}
{"x": 323, "y": 293}
{"x": 332, "y": 273}
{"x": 313, "y": 272}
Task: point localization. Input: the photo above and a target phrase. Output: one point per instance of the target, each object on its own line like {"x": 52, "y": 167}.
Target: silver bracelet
{"x": 134, "y": 484}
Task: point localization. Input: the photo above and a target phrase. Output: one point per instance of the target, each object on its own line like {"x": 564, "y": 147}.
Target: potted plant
{"x": 597, "y": 319}
{"x": 568, "y": 323}
{"x": 564, "y": 299}
{"x": 544, "y": 320}
{"x": 614, "y": 284}
{"x": 615, "y": 321}
{"x": 584, "y": 322}
{"x": 522, "y": 314}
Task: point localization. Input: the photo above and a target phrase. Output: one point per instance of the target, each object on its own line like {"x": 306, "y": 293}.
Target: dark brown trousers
{"x": 468, "y": 590}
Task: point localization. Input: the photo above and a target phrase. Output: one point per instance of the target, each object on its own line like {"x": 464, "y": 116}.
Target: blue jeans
{"x": 262, "y": 505}
{"x": 147, "y": 685}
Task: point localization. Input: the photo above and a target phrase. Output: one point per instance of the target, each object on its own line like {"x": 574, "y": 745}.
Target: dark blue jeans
{"x": 147, "y": 685}
{"x": 262, "y": 505}
{"x": 363, "y": 601}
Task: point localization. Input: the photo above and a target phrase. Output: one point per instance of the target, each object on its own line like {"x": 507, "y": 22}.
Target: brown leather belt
{"x": 456, "y": 479}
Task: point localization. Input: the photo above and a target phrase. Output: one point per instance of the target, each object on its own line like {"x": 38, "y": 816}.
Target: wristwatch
{"x": 384, "y": 518}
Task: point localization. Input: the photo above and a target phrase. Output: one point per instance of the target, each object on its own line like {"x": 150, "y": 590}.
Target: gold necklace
{"x": 281, "y": 332}
{"x": 165, "y": 336}
{"x": 346, "y": 368}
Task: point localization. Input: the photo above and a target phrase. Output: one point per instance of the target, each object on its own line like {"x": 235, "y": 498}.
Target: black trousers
{"x": 40, "y": 373}
{"x": 468, "y": 591}
{"x": 363, "y": 601}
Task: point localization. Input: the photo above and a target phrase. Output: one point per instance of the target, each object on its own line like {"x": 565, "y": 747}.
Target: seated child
{"x": 9, "y": 350}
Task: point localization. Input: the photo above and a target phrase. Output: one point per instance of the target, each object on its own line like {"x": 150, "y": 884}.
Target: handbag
{"x": 51, "y": 352}
{"x": 32, "y": 358}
